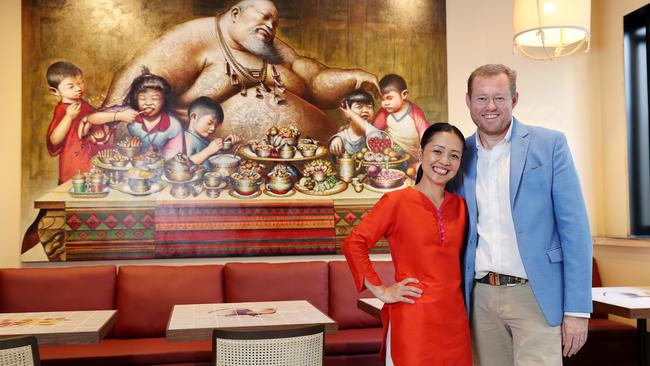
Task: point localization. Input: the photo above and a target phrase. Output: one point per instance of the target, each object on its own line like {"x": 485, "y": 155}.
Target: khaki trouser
{"x": 508, "y": 328}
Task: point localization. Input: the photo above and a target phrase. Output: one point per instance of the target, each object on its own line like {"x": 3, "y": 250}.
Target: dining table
{"x": 59, "y": 327}
{"x": 192, "y": 322}
{"x": 631, "y": 303}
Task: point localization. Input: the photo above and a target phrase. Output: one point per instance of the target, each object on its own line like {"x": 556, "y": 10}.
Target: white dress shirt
{"x": 497, "y": 249}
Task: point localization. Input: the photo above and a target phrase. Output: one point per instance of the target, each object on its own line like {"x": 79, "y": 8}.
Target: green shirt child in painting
{"x": 205, "y": 115}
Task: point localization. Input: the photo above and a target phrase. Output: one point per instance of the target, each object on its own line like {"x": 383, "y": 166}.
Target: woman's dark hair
{"x": 431, "y": 131}
{"x": 148, "y": 81}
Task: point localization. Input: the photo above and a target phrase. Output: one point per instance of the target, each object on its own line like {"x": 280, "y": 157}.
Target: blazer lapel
{"x": 469, "y": 179}
{"x": 518, "y": 153}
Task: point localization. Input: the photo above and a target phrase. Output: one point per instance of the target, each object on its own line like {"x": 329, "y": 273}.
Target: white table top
{"x": 371, "y": 306}
{"x": 59, "y": 327}
{"x": 196, "y": 321}
{"x": 630, "y": 302}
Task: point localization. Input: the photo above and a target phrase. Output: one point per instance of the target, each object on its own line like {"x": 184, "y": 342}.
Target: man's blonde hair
{"x": 491, "y": 70}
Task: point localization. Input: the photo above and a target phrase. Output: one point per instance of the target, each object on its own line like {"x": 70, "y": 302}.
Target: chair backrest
{"x": 21, "y": 351}
{"x": 288, "y": 346}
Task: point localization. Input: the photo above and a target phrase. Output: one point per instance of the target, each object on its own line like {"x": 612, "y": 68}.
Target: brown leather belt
{"x": 497, "y": 279}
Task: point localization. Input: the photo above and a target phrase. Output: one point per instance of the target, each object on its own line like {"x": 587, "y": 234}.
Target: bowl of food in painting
{"x": 139, "y": 161}
{"x": 387, "y": 178}
{"x": 263, "y": 151}
{"x": 105, "y": 155}
{"x": 212, "y": 179}
{"x": 246, "y": 182}
{"x": 225, "y": 164}
{"x": 130, "y": 146}
{"x": 279, "y": 179}
{"x": 139, "y": 179}
{"x": 288, "y": 135}
{"x": 119, "y": 161}
{"x": 308, "y": 150}
{"x": 287, "y": 151}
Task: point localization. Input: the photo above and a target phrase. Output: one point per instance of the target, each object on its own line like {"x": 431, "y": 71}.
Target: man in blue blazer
{"x": 527, "y": 266}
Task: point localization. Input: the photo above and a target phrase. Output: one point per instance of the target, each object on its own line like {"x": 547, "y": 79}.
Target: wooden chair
{"x": 291, "y": 346}
{"x": 21, "y": 351}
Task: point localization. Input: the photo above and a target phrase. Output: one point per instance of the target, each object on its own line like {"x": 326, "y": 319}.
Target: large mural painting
{"x": 169, "y": 129}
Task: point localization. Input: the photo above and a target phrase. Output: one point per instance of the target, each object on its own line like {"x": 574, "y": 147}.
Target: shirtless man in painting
{"x": 236, "y": 59}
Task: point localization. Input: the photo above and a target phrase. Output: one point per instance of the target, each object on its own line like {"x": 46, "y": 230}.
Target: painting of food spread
{"x": 158, "y": 129}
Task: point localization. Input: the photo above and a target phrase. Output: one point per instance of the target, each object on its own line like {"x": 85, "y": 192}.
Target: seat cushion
{"x": 147, "y": 294}
{"x": 366, "y": 359}
{"x": 354, "y": 341}
{"x": 344, "y": 295}
{"x": 609, "y": 343}
{"x": 57, "y": 289}
{"x": 606, "y": 330}
{"x": 277, "y": 282}
{"x": 138, "y": 351}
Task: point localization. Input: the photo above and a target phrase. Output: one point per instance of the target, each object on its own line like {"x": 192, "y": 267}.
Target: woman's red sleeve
{"x": 380, "y": 221}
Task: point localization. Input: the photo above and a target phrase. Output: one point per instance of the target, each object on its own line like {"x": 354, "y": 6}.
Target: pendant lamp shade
{"x": 550, "y": 29}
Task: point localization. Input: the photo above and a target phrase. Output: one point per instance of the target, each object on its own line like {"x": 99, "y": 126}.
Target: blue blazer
{"x": 550, "y": 220}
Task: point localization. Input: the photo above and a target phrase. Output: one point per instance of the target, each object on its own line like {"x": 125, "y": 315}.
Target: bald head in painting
{"x": 236, "y": 59}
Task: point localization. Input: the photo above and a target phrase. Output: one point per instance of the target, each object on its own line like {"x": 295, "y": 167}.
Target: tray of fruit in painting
{"x": 383, "y": 152}
{"x": 319, "y": 179}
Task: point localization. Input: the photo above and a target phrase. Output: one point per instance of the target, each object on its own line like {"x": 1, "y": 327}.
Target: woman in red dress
{"x": 425, "y": 226}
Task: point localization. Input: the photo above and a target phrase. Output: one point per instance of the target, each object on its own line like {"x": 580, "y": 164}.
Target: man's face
{"x": 491, "y": 104}
{"x": 204, "y": 125}
{"x": 257, "y": 23}
{"x": 71, "y": 89}
{"x": 393, "y": 101}
{"x": 362, "y": 109}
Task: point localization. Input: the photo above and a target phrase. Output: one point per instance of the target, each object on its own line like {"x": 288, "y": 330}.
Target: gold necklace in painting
{"x": 235, "y": 71}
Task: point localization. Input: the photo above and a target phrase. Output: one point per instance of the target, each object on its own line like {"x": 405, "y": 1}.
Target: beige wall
{"x": 10, "y": 146}
{"x": 571, "y": 95}
{"x": 561, "y": 94}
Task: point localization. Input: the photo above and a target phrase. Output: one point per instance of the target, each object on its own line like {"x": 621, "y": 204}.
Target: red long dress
{"x": 426, "y": 244}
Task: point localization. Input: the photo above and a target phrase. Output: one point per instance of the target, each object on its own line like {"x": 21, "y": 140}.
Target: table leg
{"x": 641, "y": 333}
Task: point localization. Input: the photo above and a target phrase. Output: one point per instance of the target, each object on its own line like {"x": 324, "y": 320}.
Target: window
{"x": 637, "y": 33}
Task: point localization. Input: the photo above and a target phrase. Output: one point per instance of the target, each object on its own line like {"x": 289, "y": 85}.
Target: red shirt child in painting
{"x": 74, "y": 153}
{"x": 404, "y": 121}
{"x": 74, "y": 141}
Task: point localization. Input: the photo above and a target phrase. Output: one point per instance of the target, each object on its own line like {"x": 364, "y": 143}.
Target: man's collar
{"x": 506, "y": 138}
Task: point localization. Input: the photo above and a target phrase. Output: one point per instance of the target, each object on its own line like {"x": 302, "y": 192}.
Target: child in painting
{"x": 358, "y": 109}
{"x": 145, "y": 110}
{"x": 67, "y": 135}
{"x": 401, "y": 119}
{"x": 205, "y": 115}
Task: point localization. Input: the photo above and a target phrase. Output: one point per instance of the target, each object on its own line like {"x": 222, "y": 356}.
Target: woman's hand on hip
{"x": 398, "y": 292}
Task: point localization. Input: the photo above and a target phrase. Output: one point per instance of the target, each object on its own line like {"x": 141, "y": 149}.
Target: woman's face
{"x": 441, "y": 157}
{"x": 150, "y": 101}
